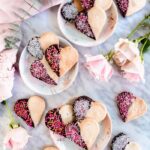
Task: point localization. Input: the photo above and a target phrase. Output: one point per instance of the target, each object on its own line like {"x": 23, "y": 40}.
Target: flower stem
{"x": 13, "y": 124}
{"x": 109, "y": 55}
{"x": 138, "y": 26}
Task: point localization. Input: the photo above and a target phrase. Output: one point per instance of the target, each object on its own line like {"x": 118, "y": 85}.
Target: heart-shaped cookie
{"x": 91, "y": 22}
{"x": 129, "y": 7}
{"x": 61, "y": 60}
{"x": 83, "y": 133}
{"x": 30, "y": 110}
{"x": 40, "y": 70}
{"x": 130, "y": 106}
{"x": 85, "y": 107}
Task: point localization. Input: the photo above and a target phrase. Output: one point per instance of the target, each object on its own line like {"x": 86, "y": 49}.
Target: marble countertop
{"x": 138, "y": 130}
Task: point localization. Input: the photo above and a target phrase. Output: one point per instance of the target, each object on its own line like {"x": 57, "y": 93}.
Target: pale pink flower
{"x": 16, "y": 139}
{"x": 7, "y": 59}
{"x": 127, "y": 58}
{"x": 99, "y": 67}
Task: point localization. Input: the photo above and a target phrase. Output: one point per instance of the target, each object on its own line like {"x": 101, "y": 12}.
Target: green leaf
{"x": 146, "y": 47}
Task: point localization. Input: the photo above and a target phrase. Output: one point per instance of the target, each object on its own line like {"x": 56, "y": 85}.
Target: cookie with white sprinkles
{"x": 34, "y": 48}
{"x": 120, "y": 141}
{"x": 69, "y": 12}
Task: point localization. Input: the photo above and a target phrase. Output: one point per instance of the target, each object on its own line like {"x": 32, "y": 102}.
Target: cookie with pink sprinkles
{"x": 130, "y": 106}
{"x": 30, "y": 110}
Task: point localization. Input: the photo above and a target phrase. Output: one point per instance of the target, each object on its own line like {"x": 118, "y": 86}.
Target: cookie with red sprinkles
{"x": 22, "y": 110}
{"x": 124, "y": 101}
{"x": 72, "y": 132}
{"x": 69, "y": 12}
{"x": 87, "y": 4}
{"x": 38, "y": 71}
{"x": 54, "y": 122}
{"x": 123, "y": 6}
{"x": 52, "y": 55}
{"x": 82, "y": 24}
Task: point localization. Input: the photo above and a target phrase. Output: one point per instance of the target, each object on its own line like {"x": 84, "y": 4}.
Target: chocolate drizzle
{"x": 22, "y": 110}
{"x": 52, "y": 55}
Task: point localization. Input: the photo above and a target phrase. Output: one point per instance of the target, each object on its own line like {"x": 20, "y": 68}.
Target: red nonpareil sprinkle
{"x": 124, "y": 101}
{"x": 73, "y": 133}
{"x": 87, "y": 4}
{"x": 52, "y": 55}
{"x": 82, "y": 24}
{"x": 22, "y": 110}
{"x": 38, "y": 71}
{"x": 54, "y": 122}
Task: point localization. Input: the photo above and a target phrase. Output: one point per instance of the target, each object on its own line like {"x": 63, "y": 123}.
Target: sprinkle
{"x": 87, "y": 4}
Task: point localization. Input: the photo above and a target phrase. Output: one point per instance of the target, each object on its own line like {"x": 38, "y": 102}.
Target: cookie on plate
{"x": 130, "y": 106}
{"x": 30, "y": 110}
{"x": 83, "y": 133}
{"x": 56, "y": 119}
{"x": 85, "y": 107}
{"x": 91, "y": 22}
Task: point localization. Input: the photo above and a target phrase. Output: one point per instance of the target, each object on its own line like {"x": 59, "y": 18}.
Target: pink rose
{"x": 99, "y": 67}
{"x": 134, "y": 71}
{"x": 127, "y": 58}
{"x": 16, "y": 139}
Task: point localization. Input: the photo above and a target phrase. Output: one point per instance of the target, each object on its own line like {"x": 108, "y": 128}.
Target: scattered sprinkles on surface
{"x": 22, "y": 110}
{"x": 73, "y": 133}
{"x": 34, "y": 48}
{"x": 38, "y": 71}
{"x": 81, "y": 106}
{"x": 120, "y": 141}
{"x": 54, "y": 122}
{"x": 69, "y": 12}
{"x": 52, "y": 55}
{"x": 124, "y": 101}
{"x": 81, "y": 23}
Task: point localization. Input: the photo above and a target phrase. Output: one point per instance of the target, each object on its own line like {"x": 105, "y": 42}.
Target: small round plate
{"x": 72, "y": 34}
{"x": 100, "y": 143}
{"x": 39, "y": 86}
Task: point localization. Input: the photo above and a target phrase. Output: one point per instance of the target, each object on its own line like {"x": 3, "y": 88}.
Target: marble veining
{"x": 138, "y": 130}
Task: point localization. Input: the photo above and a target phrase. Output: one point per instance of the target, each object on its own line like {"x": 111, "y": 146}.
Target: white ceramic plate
{"x": 71, "y": 33}
{"x": 100, "y": 143}
{"x": 39, "y": 86}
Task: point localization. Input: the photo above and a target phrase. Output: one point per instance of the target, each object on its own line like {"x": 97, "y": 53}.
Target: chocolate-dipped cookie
{"x": 30, "y": 110}
{"x": 130, "y": 106}
{"x": 85, "y": 107}
{"x": 91, "y": 22}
